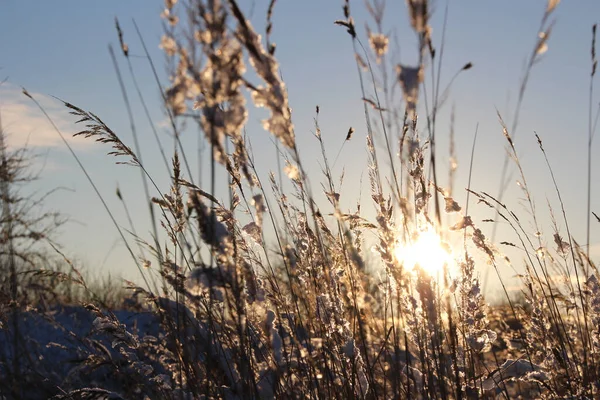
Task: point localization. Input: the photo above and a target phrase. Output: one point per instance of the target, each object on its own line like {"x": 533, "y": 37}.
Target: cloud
{"x": 25, "y": 125}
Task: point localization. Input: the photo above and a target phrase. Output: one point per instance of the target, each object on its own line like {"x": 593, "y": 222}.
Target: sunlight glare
{"x": 426, "y": 251}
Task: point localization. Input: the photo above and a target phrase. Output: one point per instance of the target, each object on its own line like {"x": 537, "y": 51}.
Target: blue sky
{"x": 60, "y": 49}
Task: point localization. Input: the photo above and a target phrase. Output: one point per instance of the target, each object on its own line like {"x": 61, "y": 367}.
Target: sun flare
{"x": 427, "y": 251}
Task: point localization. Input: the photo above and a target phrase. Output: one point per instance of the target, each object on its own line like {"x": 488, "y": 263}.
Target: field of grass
{"x": 272, "y": 293}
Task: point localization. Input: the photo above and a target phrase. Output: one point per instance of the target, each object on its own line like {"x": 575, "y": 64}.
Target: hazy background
{"x": 60, "y": 49}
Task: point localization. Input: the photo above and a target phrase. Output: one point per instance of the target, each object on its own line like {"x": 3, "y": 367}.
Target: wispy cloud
{"x": 25, "y": 125}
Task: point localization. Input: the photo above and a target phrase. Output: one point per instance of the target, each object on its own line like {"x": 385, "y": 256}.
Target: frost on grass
{"x": 410, "y": 79}
{"x": 514, "y": 369}
{"x": 273, "y": 95}
{"x": 379, "y": 44}
{"x": 308, "y": 314}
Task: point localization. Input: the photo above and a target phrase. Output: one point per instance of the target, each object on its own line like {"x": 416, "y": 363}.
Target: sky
{"x": 60, "y": 49}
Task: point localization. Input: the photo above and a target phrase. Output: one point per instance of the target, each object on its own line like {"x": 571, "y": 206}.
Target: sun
{"x": 427, "y": 251}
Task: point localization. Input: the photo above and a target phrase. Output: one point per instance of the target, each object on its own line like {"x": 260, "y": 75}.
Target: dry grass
{"x": 287, "y": 305}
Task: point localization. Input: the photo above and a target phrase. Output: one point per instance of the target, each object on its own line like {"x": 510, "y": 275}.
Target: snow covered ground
{"x": 71, "y": 347}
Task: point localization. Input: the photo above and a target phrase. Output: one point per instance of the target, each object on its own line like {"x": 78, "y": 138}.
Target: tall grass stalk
{"x": 266, "y": 291}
